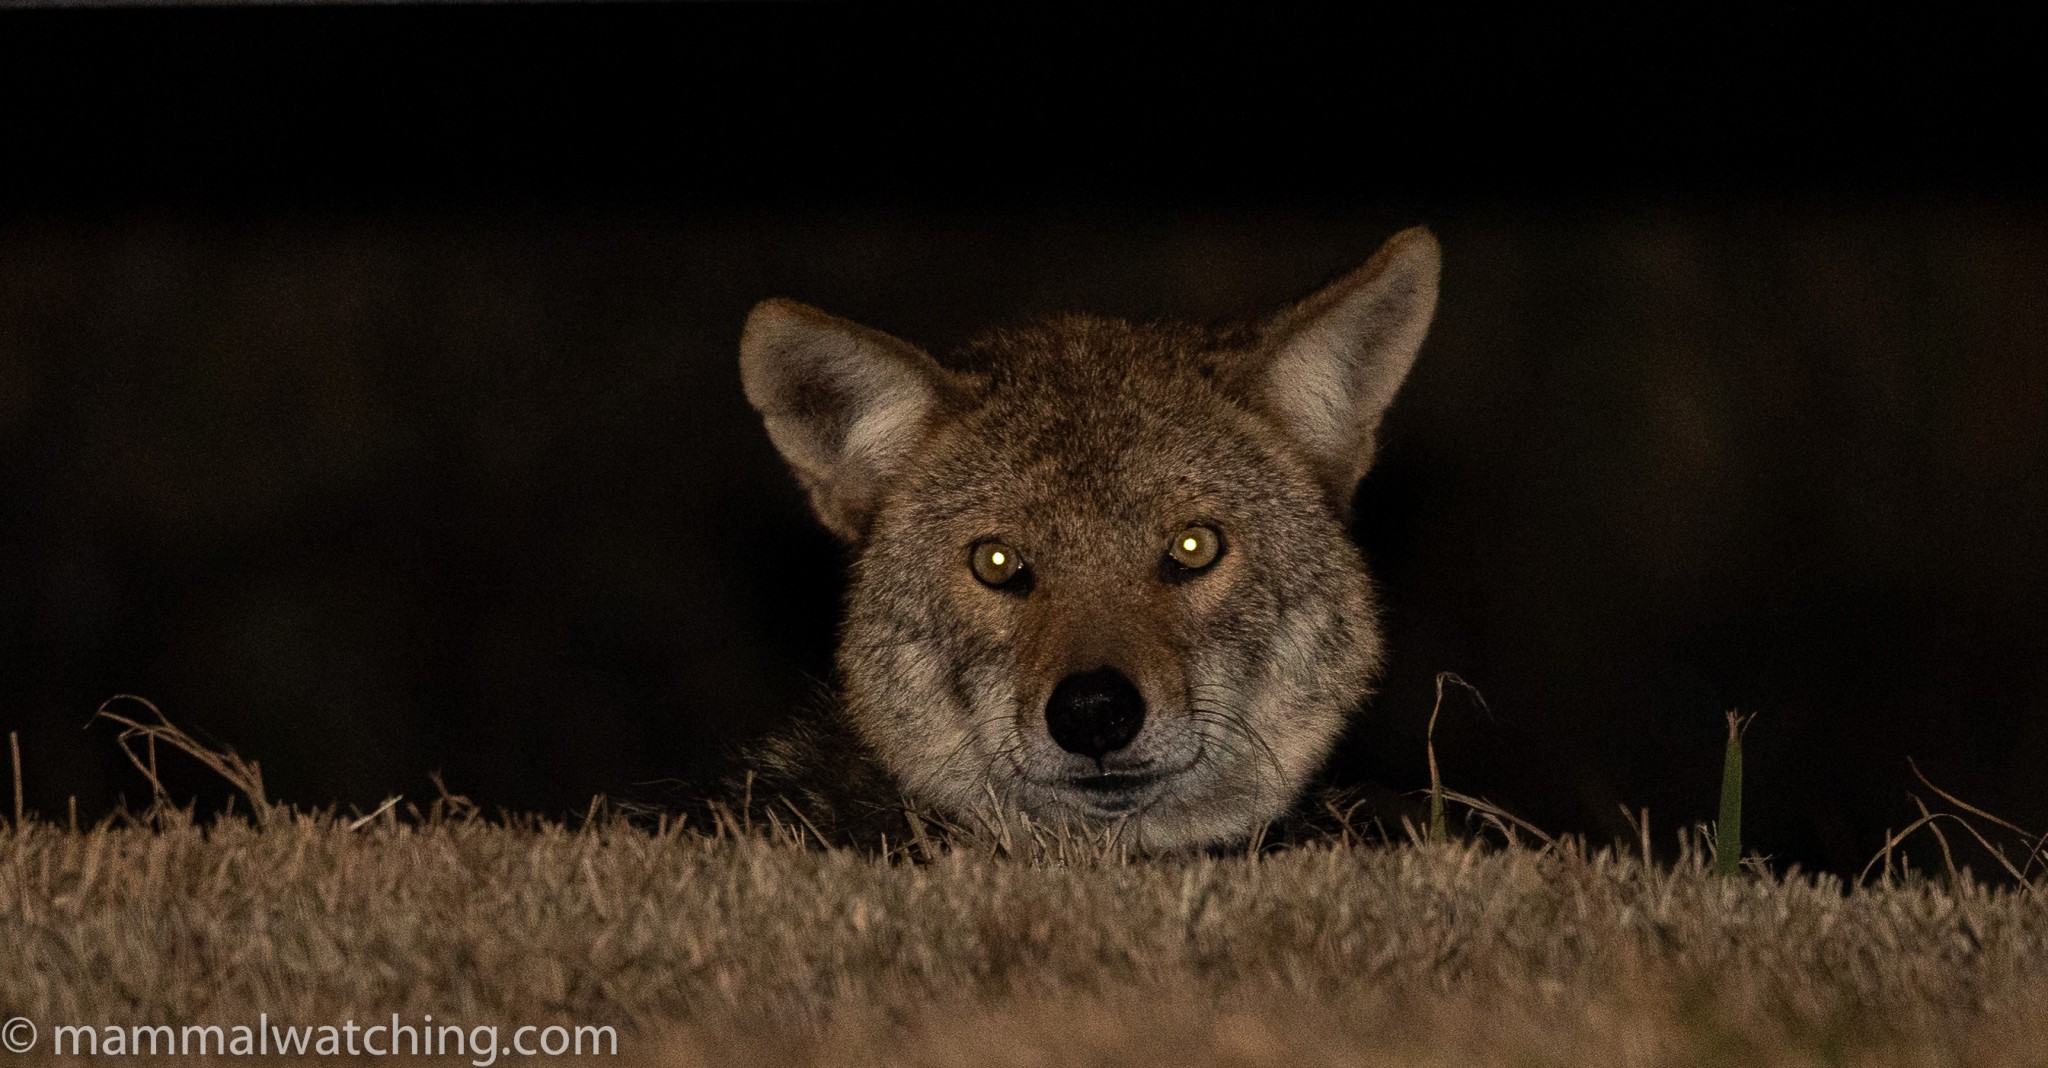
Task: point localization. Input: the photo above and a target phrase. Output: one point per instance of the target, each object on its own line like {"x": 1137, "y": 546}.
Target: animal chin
{"x": 1114, "y": 793}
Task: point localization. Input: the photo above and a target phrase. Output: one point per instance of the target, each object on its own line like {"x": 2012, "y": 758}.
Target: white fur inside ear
{"x": 842, "y": 402}
{"x": 1311, "y": 383}
{"x": 1339, "y": 357}
{"x": 889, "y": 421}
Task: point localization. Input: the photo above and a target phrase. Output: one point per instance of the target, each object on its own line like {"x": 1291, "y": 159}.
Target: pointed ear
{"x": 1334, "y": 361}
{"x": 843, "y": 404}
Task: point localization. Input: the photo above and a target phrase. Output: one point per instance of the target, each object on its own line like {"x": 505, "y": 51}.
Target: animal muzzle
{"x": 1095, "y": 713}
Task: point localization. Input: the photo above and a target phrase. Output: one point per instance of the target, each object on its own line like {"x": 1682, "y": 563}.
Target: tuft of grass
{"x": 244, "y": 775}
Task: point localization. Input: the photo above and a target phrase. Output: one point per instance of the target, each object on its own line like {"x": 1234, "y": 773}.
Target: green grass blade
{"x": 1728, "y": 831}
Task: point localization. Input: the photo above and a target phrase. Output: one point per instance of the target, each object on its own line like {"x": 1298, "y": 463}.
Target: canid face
{"x": 1102, "y": 572}
{"x": 1087, "y": 450}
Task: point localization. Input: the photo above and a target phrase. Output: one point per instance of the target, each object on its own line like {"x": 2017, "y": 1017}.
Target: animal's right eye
{"x": 997, "y": 565}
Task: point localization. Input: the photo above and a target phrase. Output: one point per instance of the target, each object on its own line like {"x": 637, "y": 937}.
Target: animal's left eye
{"x": 1193, "y": 549}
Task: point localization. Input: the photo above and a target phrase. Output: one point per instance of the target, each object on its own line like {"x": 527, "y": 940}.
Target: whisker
{"x": 1239, "y": 723}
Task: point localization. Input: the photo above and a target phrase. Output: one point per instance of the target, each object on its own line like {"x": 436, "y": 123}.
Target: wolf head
{"x": 1102, "y": 569}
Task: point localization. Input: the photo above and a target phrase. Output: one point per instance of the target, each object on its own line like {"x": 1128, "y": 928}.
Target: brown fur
{"x": 1086, "y": 443}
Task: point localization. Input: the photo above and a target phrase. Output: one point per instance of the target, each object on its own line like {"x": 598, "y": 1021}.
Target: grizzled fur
{"x": 1084, "y": 445}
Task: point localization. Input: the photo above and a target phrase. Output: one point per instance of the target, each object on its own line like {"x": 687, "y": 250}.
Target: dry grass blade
{"x": 1439, "y": 831}
{"x": 1931, "y": 821}
{"x": 449, "y": 803}
{"x": 365, "y": 820}
{"x": 243, "y": 775}
{"x": 918, "y": 838}
{"x": 798, "y": 812}
{"x": 1501, "y": 817}
{"x": 2034, "y": 843}
{"x": 14, "y": 750}
{"x": 1997, "y": 852}
{"x": 1884, "y": 852}
{"x": 1965, "y": 805}
{"x": 1639, "y": 825}
{"x": 1948, "y": 856}
{"x": 1345, "y": 818}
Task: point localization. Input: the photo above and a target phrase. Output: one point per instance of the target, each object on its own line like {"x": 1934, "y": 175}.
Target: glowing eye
{"x": 995, "y": 564}
{"x": 1195, "y": 547}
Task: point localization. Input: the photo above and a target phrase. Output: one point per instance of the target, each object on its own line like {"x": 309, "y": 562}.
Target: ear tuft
{"x": 843, "y": 404}
{"x": 1335, "y": 360}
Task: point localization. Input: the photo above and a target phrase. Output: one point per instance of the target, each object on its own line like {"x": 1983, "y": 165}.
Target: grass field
{"x": 730, "y": 949}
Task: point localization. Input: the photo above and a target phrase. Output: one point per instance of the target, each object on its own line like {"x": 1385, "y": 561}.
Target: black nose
{"x": 1095, "y": 713}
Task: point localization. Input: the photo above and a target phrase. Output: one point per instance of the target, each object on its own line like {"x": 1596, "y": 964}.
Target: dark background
{"x": 368, "y": 394}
